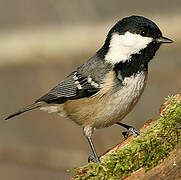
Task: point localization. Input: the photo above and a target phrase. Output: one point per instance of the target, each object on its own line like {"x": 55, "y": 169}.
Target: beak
{"x": 164, "y": 40}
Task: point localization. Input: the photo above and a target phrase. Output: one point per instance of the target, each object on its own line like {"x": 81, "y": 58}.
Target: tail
{"x": 27, "y": 108}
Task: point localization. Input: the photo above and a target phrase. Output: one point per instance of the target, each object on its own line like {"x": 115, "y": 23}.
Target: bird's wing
{"x": 75, "y": 86}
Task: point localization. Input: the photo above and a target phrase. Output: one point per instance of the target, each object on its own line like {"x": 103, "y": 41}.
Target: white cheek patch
{"x": 123, "y": 46}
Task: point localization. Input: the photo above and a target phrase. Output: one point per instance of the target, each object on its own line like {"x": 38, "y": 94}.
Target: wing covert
{"x": 75, "y": 86}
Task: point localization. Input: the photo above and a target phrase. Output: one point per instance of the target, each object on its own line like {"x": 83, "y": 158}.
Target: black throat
{"x": 137, "y": 63}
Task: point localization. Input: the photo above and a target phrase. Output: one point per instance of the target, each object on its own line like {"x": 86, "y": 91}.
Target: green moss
{"x": 145, "y": 151}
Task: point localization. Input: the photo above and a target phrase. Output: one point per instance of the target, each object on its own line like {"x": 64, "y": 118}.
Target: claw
{"x": 131, "y": 131}
{"x": 91, "y": 158}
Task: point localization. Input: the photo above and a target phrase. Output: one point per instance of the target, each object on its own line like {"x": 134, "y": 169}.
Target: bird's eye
{"x": 143, "y": 33}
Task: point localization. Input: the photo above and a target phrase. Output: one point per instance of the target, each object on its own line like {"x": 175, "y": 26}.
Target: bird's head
{"x": 130, "y": 36}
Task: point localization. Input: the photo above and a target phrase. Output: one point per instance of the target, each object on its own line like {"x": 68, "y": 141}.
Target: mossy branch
{"x": 158, "y": 139}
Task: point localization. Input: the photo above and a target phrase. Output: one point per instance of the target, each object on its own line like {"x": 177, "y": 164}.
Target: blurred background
{"x": 41, "y": 42}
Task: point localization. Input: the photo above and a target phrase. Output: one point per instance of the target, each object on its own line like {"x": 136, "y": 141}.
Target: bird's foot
{"x": 131, "y": 131}
{"x": 92, "y": 158}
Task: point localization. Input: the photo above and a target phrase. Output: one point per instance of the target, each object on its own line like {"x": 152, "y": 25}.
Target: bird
{"x": 104, "y": 89}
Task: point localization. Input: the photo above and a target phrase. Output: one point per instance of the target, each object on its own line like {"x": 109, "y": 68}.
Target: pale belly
{"x": 105, "y": 110}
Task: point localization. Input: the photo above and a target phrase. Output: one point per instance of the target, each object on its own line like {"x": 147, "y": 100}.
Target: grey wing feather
{"x": 75, "y": 86}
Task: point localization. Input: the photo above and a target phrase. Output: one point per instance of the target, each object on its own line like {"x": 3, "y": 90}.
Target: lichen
{"x": 145, "y": 151}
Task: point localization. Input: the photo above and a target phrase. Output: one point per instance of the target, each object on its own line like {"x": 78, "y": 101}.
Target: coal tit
{"x": 103, "y": 90}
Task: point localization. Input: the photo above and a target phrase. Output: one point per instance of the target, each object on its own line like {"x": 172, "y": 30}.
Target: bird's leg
{"x": 130, "y": 130}
{"x": 88, "y": 130}
{"x": 93, "y": 157}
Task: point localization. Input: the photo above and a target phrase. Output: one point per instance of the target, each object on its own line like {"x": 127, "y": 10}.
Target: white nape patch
{"x": 50, "y": 109}
{"x": 123, "y": 46}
